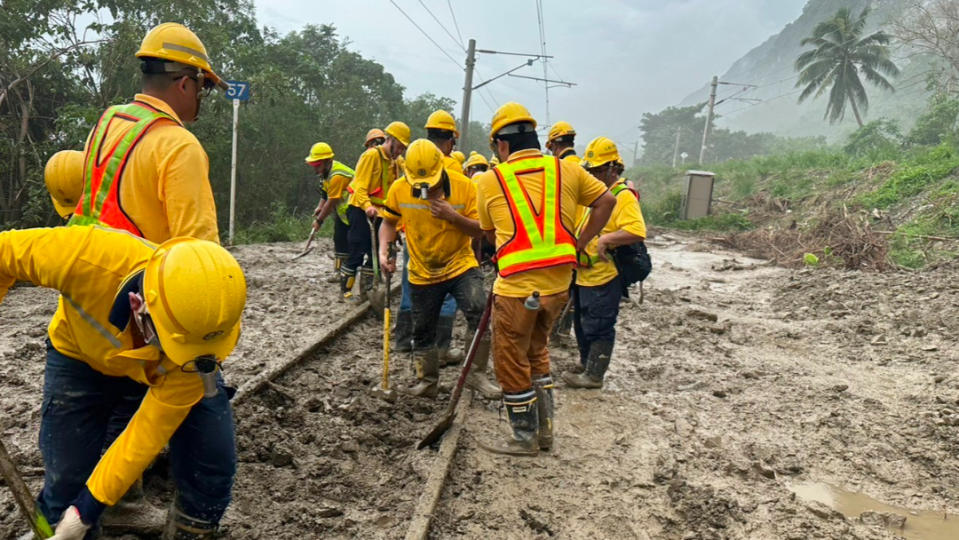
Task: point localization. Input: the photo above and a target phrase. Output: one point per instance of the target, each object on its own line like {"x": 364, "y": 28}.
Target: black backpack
{"x": 632, "y": 260}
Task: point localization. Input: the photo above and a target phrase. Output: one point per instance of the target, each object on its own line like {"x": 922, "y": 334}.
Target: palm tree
{"x": 840, "y": 56}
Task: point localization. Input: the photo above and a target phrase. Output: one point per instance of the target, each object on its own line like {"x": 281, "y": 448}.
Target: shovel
{"x": 306, "y": 251}
{"x": 383, "y": 391}
{"x": 21, "y": 493}
{"x": 376, "y": 296}
{"x": 447, "y": 421}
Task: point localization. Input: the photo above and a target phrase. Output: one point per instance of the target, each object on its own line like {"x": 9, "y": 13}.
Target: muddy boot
{"x": 476, "y": 379}
{"x": 338, "y": 260}
{"x": 180, "y": 526}
{"x": 523, "y": 418}
{"x": 596, "y": 365}
{"x": 367, "y": 282}
{"x": 543, "y": 386}
{"x": 403, "y": 332}
{"x": 444, "y": 336}
{"x": 133, "y": 512}
{"x": 347, "y": 281}
{"x": 427, "y": 374}
{"x": 564, "y": 326}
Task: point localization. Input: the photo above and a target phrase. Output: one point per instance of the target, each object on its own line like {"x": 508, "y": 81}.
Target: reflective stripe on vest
{"x": 339, "y": 169}
{"x": 100, "y": 200}
{"x": 540, "y": 240}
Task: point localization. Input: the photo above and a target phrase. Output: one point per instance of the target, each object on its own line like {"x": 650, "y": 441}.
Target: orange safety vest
{"x": 103, "y": 169}
{"x": 540, "y": 240}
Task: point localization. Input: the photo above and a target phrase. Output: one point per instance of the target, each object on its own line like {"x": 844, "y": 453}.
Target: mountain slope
{"x": 770, "y": 66}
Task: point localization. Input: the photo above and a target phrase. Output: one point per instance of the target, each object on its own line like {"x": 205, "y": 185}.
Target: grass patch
{"x": 913, "y": 176}
{"x": 282, "y": 226}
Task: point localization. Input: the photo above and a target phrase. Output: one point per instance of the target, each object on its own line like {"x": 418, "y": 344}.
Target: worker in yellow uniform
{"x": 459, "y": 156}
{"x": 374, "y": 137}
{"x": 376, "y": 171}
{"x": 437, "y": 208}
{"x": 475, "y": 164}
{"x": 598, "y": 284}
{"x": 561, "y": 141}
{"x": 144, "y": 172}
{"x": 527, "y": 206}
{"x": 132, "y": 317}
{"x": 63, "y": 176}
{"x": 335, "y": 178}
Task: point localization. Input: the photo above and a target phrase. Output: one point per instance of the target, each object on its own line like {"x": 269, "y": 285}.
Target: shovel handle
{"x": 21, "y": 493}
{"x": 468, "y": 362}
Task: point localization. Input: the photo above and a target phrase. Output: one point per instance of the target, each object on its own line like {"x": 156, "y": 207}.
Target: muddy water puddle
{"x": 918, "y": 525}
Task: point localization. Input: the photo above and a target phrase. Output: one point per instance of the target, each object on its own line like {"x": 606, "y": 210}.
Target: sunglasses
{"x": 206, "y": 85}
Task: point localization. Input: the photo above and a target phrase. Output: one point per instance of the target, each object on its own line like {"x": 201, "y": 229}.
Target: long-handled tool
{"x": 447, "y": 421}
{"x": 383, "y": 391}
{"x": 309, "y": 242}
{"x": 376, "y": 297}
{"x": 21, "y": 493}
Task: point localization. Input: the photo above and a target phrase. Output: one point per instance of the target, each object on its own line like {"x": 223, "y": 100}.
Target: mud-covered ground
{"x": 732, "y": 382}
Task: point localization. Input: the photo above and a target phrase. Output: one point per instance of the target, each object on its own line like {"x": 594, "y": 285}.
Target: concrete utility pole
{"x": 676, "y": 147}
{"x": 709, "y": 117}
{"x": 635, "y": 151}
{"x": 467, "y": 91}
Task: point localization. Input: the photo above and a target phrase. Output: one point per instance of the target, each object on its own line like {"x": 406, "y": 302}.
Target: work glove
{"x": 71, "y": 527}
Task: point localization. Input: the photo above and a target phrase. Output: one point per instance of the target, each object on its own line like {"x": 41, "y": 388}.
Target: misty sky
{"x": 626, "y": 57}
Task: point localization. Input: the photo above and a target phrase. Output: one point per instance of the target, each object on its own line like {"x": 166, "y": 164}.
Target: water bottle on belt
{"x": 532, "y": 301}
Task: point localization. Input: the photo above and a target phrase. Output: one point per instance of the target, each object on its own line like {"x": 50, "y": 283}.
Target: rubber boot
{"x": 132, "y": 511}
{"x": 596, "y": 366}
{"x": 403, "y": 332}
{"x": 338, "y": 260}
{"x": 347, "y": 280}
{"x": 367, "y": 281}
{"x": 444, "y": 336}
{"x": 524, "y": 420}
{"x": 427, "y": 374}
{"x": 180, "y": 526}
{"x": 476, "y": 379}
{"x": 543, "y": 386}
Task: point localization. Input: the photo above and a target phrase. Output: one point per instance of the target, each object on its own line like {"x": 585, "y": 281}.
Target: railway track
{"x": 319, "y": 454}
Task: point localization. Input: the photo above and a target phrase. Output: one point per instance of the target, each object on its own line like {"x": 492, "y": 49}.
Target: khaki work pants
{"x": 520, "y": 339}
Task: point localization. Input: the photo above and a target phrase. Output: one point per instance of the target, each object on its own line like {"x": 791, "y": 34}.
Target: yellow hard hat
{"x": 560, "y": 129}
{"x": 318, "y": 152}
{"x": 374, "y": 133}
{"x": 195, "y": 293}
{"x": 460, "y": 156}
{"x": 493, "y": 161}
{"x": 475, "y": 159}
{"x": 399, "y": 131}
{"x": 442, "y": 120}
{"x": 177, "y": 43}
{"x": 424, "y": 163}
{"x": 600, "y": 151}
{"x": 63, "y": 176}
{"x": 509, "y": 113}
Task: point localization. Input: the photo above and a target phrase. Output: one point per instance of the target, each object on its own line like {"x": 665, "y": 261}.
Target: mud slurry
{"x": 732, "y": 381}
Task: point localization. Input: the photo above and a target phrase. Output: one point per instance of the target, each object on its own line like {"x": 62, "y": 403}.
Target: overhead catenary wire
{"x": 455, "y": 24}
{"x": 459, "y": 43}
{"x": 427, "y": 36}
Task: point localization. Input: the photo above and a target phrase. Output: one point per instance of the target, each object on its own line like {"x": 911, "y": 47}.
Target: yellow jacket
{"x": 166, "y": 185}
{"x": 627, "y": 216}
{"x": 88, "y": 265}
{"x": 375, "y": 173}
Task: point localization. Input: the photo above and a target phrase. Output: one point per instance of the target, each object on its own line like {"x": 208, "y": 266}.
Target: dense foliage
{"x": 63, "y": 62}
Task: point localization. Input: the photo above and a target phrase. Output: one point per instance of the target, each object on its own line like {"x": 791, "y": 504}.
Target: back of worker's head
{"x": 195, "y": 293}
{"x": 63, "y": 176}
{"x": 513, "y": 124}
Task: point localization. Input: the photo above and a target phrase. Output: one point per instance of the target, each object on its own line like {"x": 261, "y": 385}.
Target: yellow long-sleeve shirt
{"x": 627, "y": 216}
{"x": 166, "y": 184}
{"x": 87, "y": 265}
{"x": 375, "y": 173}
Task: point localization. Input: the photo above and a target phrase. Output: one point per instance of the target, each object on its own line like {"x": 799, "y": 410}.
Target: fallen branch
{"x": 921, "y": 236}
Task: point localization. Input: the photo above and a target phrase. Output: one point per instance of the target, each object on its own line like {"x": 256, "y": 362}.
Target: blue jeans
{"x": 79, "y": 405}
{"x": 597, "y": 309}
{"x": 449, "y": 304}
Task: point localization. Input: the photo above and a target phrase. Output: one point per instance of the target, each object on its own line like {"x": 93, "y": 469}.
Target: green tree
{"x": 840, "y": 56}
